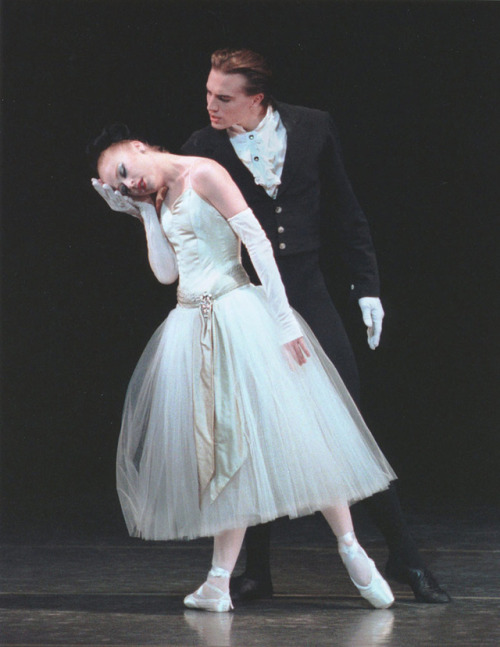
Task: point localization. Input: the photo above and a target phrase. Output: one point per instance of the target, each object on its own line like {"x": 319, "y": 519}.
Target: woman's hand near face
{"x": 125, "y": 203}
{"x": 115, "y": 200}
{"x": 297, "y": 351}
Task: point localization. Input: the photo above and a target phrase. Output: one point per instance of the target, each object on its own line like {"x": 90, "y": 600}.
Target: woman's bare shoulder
{"x": 206, "y": 170}
{"x": 213, "y": 183}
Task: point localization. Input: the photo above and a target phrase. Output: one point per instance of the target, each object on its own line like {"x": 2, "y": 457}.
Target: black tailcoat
{"x": 292, "y": 220}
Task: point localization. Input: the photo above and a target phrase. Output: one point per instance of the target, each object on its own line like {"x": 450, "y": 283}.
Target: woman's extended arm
{"x": 214, "y": 184}
{"x": 160, "y": 254}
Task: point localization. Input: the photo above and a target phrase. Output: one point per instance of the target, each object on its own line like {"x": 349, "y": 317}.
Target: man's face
{"x": 227, "y": 103}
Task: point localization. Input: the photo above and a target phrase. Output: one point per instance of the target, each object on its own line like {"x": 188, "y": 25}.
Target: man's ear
{"x": 257, "y": 99}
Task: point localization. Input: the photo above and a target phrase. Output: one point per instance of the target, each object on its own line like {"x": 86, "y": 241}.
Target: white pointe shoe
{"x": 221, "y": 603}
{"x": 377, "y": 592}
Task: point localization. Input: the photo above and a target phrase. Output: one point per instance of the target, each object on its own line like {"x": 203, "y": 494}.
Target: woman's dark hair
{"x": 249, "y": 64}
{"x": 111, "y": 135}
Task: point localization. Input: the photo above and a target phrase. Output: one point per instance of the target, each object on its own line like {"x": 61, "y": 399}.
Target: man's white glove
{"x": 248, "y": 229}
{"x": 161, "y": 256}
{"x": 373, "y": 314}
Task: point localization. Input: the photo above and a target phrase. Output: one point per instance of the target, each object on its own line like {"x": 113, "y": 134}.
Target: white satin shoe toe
{"x": 220, "y": 603}
{"x": 378, "y": 593}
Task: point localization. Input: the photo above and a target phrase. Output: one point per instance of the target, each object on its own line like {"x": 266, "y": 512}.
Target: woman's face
{"x": 227, "y": 103}
{"x": 129, "y": 167}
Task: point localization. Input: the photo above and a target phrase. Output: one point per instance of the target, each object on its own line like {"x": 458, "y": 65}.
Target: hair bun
{"x": 116, "y": 132}
{"x": 109, "y": 135}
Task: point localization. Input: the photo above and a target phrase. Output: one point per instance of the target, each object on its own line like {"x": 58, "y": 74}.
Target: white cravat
{"x": 262, "y": 150}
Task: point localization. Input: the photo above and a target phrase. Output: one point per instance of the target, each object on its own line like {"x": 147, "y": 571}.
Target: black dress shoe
{"x": 245, "y": 589}
{"x": 421, "y": 581}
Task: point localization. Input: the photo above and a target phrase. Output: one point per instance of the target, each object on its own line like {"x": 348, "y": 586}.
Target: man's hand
{"x": 373, "y": 314}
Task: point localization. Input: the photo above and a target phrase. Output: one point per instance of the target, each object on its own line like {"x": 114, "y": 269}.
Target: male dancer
{"x": 282, "y": 157}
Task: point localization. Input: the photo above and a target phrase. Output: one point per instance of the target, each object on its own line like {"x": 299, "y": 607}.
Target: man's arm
{"x": 350, "y": 222}
{"x": 356, "y": 248}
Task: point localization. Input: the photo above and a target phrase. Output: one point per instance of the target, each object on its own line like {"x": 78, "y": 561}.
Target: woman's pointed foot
{"x": 199, "y": 599}
{"x": 377, "y": 592}
{"x": 361, "y": 568}
{"x": 210, "y": 597}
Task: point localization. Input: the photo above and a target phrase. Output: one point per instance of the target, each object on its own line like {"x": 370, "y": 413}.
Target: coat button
{"x": 278, "y": 210}
{"x": 251, "y": 136}
{"x": 352, "y": 287}
{"x": 282, "y": 245}
{"x": 256, "y": 158}
{"x": 281, "y": 230}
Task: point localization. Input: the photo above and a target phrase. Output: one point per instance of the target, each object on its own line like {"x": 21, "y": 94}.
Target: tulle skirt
{"x": 306, "y": 444}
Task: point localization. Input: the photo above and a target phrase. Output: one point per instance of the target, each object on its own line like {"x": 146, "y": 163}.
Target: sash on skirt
{"x": 221, "y": 447}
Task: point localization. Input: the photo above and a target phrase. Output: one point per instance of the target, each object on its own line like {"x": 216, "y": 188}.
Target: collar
{"x": 270, "y": 119}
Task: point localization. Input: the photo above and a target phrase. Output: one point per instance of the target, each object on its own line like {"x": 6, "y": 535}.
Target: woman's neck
{"x": 173, "y": 168}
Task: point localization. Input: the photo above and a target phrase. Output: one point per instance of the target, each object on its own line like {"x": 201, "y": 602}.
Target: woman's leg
{"x": 360, "y": 567}
{"x": 340, "y": 521}
{"x": 213, "y": 594}
{"x": 227, "y": 546}
{"x": 307, "y": 293}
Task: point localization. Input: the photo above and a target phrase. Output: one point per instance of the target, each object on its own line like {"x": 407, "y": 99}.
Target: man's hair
{"x": 249, "y": 64}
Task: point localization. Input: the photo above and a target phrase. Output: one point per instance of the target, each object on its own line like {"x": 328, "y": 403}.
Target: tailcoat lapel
{"x": 225, "y": 154}
{"x": 294, "y": 143}
{"x": 223, "y": 150}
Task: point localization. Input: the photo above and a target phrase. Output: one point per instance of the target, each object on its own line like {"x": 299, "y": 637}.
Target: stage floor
{"x": 118, "y": 591}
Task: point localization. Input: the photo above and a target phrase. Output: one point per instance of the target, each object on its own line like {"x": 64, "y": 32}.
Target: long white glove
{"x": 160, "y": 254}
{"x": 116, "y": 200}
{"x": 248, "y": 229}
{"x": 373, "y": 314}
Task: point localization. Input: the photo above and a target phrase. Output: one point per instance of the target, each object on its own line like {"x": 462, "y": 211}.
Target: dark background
{"x": 413, "y": 88}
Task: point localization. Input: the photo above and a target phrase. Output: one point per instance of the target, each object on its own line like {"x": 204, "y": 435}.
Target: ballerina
{"x": 234, "y": 415}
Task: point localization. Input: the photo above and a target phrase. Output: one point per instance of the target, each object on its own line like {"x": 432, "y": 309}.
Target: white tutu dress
{"x": 218, "y": 430}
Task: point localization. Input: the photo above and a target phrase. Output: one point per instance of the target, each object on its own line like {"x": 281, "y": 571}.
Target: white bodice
{"x": 208, "y": 251}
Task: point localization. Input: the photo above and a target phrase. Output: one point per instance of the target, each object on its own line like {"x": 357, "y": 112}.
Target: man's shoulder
{"x": 204, "y": 133}
{"x": 201, "y": 139}
{"x": 290, "y": 111}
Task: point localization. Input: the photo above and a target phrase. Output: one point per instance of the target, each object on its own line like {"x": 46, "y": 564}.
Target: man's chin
{"x": 217, "y": 125}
